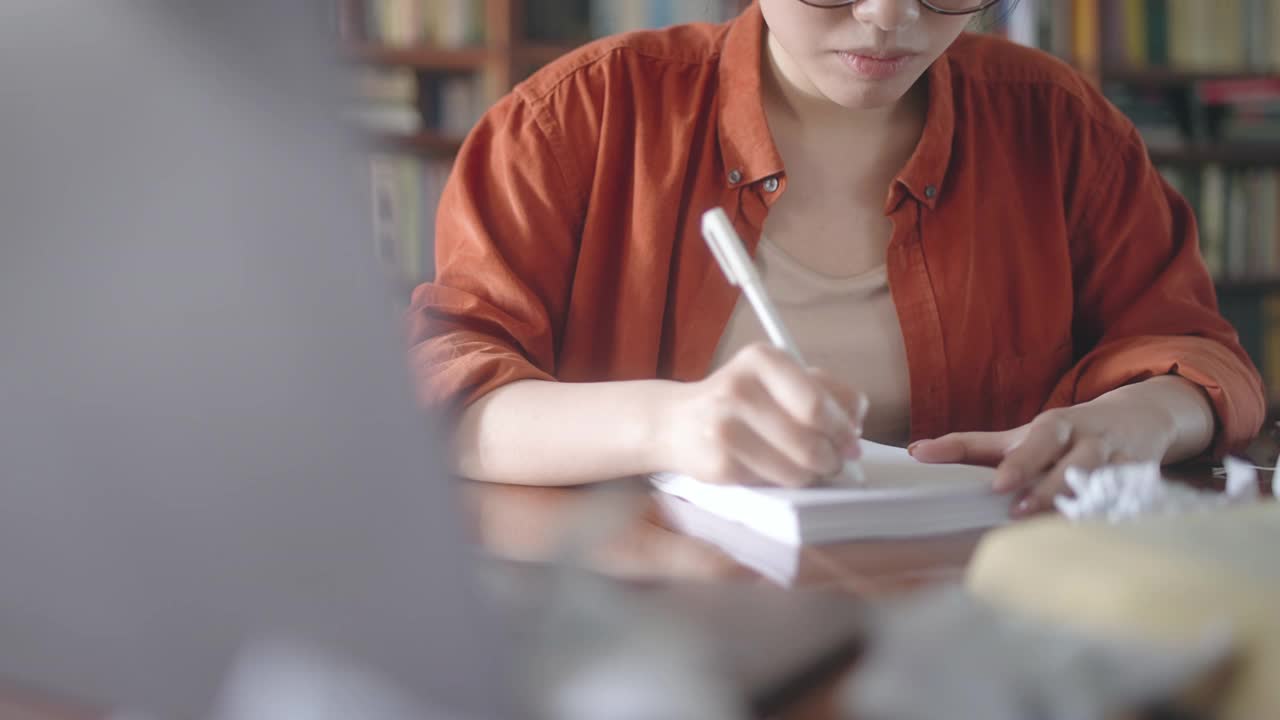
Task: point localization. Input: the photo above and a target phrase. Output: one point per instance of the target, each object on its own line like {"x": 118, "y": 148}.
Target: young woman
{"x": 969, "y": 243}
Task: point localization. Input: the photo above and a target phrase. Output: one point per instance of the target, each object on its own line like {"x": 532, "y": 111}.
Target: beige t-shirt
{"x": 847, "y": 326}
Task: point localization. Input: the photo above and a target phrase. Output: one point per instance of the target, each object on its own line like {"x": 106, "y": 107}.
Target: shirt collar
{"x": 746, "y": 143}
{"x": 926, "y": 169}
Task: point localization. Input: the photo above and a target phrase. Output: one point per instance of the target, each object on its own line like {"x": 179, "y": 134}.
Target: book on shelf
{"x": 1228, "y": 115}
{"x": 461, "y": 23}
{"x": 1192, "y": 35}
{"x": 1237, "y": 215}
{"x": 414, "y": 23}
{"x": 562, "y": 21}
{"x": 1155, "y": 118}
{"x": 1050, "y": 25}
{"x": 451, "y": 104}
{"x": 386, "y": 101}
{"x": 404, "y": 191}
{"x": 557, "y": 22}
{"x": 1220, "y": 36}
{"x": 398, "y": 102}
{"x": 1036, "y": 25}
{"x": 1246, "y": 110}
{"x": 610, "y": 17}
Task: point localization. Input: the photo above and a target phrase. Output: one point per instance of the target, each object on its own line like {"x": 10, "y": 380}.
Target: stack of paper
{"x": 775, "y": 560}
{"x": 901, "y": 498}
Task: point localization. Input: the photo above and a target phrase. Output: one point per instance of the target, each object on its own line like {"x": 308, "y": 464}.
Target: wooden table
{"x": 528, "y": 524}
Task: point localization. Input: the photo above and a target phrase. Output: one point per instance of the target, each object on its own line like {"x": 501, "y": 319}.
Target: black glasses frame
{"x": 928, "y": 6}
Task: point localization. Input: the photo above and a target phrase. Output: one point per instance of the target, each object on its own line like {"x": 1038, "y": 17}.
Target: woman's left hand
{"x": 1161, "y": 420}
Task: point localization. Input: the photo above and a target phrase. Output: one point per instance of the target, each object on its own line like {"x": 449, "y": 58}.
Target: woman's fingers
{"x": 749, "y": 458}
{"x": 1088, "y": 453}
{"x": 765, "y": 419}
{"x": 853, "y": 402}
{"x": 969, "y": 448}
{"x": 806, "y": 447}
{"x": 797, "y": 392}
{"x": 1047, "y": 439}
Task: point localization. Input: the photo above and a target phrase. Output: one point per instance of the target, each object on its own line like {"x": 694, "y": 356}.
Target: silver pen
{"x": 733, "y": 259}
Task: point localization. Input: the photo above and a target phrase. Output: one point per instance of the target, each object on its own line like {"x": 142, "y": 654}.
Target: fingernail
{"x": 850, "y": 438}
{"x": 833, "y": 462}
{"x": 1004, "y": 482}
{"x": 1025, "y": 507}
{"x": 911, "y": 449}
{"x": 837, "y": 415}
{"x": 853, "y": 451}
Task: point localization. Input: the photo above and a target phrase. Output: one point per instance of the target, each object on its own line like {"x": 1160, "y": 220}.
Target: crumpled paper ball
{"x": 1121, "y": 492}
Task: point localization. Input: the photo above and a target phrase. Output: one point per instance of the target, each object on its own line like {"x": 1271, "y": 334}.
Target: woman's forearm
{"x": 760, "y": 418}
{"x": 535, "y": 432}
{"x": 1191, "y": 416}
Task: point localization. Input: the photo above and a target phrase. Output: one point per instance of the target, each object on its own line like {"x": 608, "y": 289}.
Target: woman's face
{"x": 860, "y": 56}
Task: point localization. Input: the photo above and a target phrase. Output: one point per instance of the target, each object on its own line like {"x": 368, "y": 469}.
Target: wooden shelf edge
{"x": 426, "y": 58}
{"x": 541, "y": 54}
{"x": 426, "y": 142}
{"x": 1224, "y": 153}
{"x": 1172, "y": 77}
{"x": 1243, "y": 285}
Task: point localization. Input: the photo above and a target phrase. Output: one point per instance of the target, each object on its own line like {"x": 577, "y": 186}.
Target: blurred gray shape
{"x": 207, "y": 434}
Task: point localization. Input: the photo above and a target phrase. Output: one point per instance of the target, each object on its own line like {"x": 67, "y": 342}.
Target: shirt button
{"x": 771, "y": 185}
{"x": 931, "y": 191}
{"x": 735, "y": 176}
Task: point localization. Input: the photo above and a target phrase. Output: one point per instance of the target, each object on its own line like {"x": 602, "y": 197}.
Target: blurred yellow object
{"x": 1168, "y": 578}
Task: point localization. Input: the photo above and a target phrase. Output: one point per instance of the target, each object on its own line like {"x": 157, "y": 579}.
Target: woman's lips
{"x": 874, "y": 66}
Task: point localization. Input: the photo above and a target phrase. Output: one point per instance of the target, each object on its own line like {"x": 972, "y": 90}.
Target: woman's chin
{"x": 859, "y": 95}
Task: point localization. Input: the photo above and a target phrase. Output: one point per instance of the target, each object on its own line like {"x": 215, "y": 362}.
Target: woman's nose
{"x": 887, "y": 15}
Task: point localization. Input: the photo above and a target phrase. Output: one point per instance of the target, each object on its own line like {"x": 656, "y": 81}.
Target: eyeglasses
{"x": 942, "y": 7}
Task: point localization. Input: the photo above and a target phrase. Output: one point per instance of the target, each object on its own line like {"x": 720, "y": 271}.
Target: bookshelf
{"x": 422, "y": 58}
{"x": 1238, "y": 154}
{"x": 424, "y": 142}
{"x": 427, "y": 69}
{"x": 1202, "y": 83}
{"x": 1165, "y": 77}
{"x": 499, "y": 48}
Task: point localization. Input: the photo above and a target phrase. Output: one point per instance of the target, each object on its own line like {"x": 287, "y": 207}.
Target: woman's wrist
{"x": 657, "y": 429}
{"x": 1195, "y": 421}
{"x": 1188, "y": 414}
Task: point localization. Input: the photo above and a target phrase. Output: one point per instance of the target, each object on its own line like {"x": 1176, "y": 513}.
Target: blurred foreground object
{"x": 1125, "y": 492}
{"x": 596, "y": 648}
{"x": 207, "y": 434}
{"x": 1161, "y": 579}
{"x": 280, "y": 679}
{"x": 947, "y": 655}
{"x": 600, "y": 653}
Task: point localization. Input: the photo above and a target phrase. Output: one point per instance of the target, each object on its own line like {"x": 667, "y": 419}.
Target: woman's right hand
{"x": 762, "y": 419}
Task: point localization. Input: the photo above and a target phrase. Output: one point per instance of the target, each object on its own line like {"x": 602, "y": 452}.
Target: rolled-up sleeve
{"x": 506, "y": 242}
{"x": 1145, "y": 304}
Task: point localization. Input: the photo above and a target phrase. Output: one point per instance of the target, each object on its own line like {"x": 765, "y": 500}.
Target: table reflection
{"x": 670, "y": 539}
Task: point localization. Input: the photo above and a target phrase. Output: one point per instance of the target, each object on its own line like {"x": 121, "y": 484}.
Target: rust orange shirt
{"x": 1037, "y": 257}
